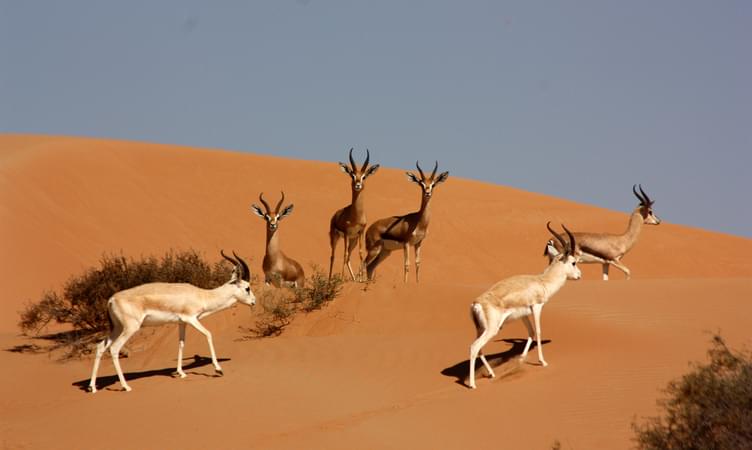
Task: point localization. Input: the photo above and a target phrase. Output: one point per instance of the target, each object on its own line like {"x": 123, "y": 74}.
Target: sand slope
{"x": 376, "y": 369}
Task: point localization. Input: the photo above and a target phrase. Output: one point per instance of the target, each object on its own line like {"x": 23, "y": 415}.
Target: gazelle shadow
{"x": 461, "y": 370}
{"x": 106, "y": 381}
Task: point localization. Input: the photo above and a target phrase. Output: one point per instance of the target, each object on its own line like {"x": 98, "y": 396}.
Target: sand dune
{"x": 378, "y": 368}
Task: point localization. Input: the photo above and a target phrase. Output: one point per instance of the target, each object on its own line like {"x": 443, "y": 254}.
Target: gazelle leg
{"x": 417, "y": 261}
{"x": 345, "y": 254}
{"x": 537, "y": 308}
{"x": 605, "y": 271}
{"x": 197, "y": 325}
{"x": 117, "y": 344}
{"x": 351, "y": 243}
{"x": 623, "y": 268}
{"x": 181, "y": 344}
{"x": 529, "y": 326}
{"x": 406, "y": 249}
{"x": 361, "y": 253}
{"x": 101, "y": 348}
{"x": 477, "y": 345}
{"x": 333, "y": 239}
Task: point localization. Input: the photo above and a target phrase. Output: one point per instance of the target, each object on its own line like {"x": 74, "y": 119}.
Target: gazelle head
{"x": 427, "y": 184}
{"x": 569, "y": 256}
{"x": 646, "y": 207}
{"x": 241, "y": 279}
{"x": 272, "y": 218}
{"x": 359, "y": 176}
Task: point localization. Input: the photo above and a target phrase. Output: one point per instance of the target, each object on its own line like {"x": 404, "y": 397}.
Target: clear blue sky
{"x": 578, "y": 99}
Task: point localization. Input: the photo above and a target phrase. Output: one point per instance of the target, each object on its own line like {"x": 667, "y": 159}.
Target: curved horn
{"x": 352, "y": 161}
{"x": 634, "y": 190}
{"x": 647, "y": 199}
{"x": 246, "y": 275}
{"x": 422, "y": 175}
{"x": 571, "y": 241}
{"x": 557, "y": 235}
{"x": 266, "y": 205}
{"x": 436, "y": 166}
{"x": 280, "y": 202}
{"x": 222, "y": 252}
{"x": 365, "y": 164}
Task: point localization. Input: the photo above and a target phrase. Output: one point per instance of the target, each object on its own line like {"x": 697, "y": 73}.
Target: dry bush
{"x": 318, "y": 290}
{"x": 82, "y": 304}
{"x": 707, "y": 408}
{"x": 279, "y": 305}
{"x": 277, "y": 309}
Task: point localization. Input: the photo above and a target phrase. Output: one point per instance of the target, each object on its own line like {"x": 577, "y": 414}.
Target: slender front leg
{"x": 417, "y": 261}
{"x": 537, "y": 308}
{"x": 605, "y": 271}
{"x": 623, "y": 268}
{"x": 361, "y": 252}
{"x": 529, "y": 326}
{"x": 333, "y": 239}
{"x": 197, "y": 325}
{"x": 181, "y": 344}
{"x": 407, "y": 259}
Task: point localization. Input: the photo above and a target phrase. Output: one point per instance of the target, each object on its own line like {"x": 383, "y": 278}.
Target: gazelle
{"x": 349, "y": 222}
{"x": 155, "y": 304}
{"x": 608, "y": 249}
{"x": 518, "y": 297}
{"x": 278, "y": 268}
{"x": 389, "y": 234}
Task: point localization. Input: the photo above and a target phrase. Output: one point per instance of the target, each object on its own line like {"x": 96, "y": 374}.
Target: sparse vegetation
{"x": 707, "y": 408}
{"x": 279, "y": 305}
{"x": 82, "y": 304}
{"x": 318, "y": 290}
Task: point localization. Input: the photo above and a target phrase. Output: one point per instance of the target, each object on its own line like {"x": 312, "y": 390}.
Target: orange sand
{"x": 375, "y": 369}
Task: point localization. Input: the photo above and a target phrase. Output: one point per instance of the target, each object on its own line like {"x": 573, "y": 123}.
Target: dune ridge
{"x": 378, "y": 368}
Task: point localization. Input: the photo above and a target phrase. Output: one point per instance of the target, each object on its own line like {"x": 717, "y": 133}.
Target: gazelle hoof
{"x": 92, "y": 389}
{"x": 127, "y": 388}
{"x": 219, "y": 372}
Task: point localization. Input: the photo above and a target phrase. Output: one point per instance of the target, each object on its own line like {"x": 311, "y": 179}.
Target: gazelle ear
{"x": 345, "y": 168}
{"x": 412, "y": 177}
{"x": 285, "y": 212}
{"x": 441, "y": 178}
{"x": 258, "y": 211}
{"x": 371, "y": 170}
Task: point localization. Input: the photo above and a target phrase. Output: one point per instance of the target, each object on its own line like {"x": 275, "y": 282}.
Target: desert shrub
{"x": 318, "y": 290}
{"x": 82, "y": 304}
{"x": 276, "y": 311}
{"x": 278, "y": 306}
{"x": 708, "y": 408}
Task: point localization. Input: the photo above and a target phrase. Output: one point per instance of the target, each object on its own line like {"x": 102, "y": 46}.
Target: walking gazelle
{"x": 518, "y": 297}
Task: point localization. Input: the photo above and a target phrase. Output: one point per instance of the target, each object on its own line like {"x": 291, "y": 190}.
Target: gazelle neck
{"x": 358, "y": 199}
{"x": 425, "y": 211}
{"x": 554, "y": 277}
{"x": 220, "y": 298}
{"x": 272, "y": 241}
{"x": 633, "y": 230}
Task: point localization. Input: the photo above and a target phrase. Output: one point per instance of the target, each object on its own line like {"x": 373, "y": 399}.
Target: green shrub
{"x": 707, "y": 408}
{"x": 82, "y": 304}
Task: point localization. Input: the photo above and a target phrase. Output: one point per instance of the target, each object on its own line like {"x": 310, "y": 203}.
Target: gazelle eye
{"x": 574, "y": 263}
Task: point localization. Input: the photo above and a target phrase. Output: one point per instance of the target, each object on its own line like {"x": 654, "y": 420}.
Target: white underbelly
{"x": 154, "y": 318}
{"x": 587, "y": 258}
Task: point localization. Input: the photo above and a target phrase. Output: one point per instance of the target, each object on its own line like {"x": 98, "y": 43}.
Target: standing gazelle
{"x": 278, "y": 268}
{"x": 608, "y": 249}
{"x": 349, "y": 222}
{"x": 392, "y": 233}
{"x": 154, "y": 304}
{"x": 518, "y": 297}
